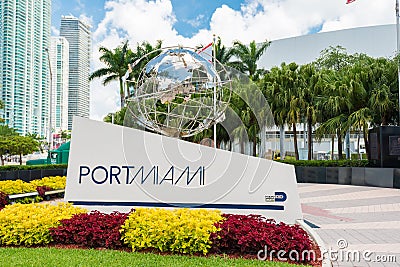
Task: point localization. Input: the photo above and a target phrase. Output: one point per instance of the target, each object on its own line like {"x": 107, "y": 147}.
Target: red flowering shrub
{"x": 4, "y": 200}
{"x": 248, "y": 234}
{"x": 93, "y": 230}
{"x": 43, "y": 189}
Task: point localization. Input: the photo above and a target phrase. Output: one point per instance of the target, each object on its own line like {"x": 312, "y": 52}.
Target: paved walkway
{"x": 355, "y": 220}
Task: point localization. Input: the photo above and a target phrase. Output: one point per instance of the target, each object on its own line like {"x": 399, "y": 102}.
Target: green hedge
{"x": 32, "y": 167}
{"x": 328, "y": 163}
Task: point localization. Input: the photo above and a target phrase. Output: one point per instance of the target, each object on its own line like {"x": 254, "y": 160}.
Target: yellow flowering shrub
{"x": 29, "y": 224}
{"x": 179, "y": 230}
{"x": 55, "y": 182}
{"x": 16, "y": 187}
{"x": 10, "y": 187}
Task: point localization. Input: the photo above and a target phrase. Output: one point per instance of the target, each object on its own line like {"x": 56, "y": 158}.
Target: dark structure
{"x": 384, "y": 146}
{"x": 363, "y": 176}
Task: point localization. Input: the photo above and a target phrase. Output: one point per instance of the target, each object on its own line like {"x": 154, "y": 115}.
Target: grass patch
{"x": 80, "y": 257}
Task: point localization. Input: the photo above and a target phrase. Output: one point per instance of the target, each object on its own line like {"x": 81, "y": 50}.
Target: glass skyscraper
{"x": 24, "y": 69}
{"x": 59, "y": 58}
{"x": 79, "y": 37}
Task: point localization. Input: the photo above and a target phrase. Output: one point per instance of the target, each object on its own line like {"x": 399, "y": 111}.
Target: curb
{"x": 326, "y": 262}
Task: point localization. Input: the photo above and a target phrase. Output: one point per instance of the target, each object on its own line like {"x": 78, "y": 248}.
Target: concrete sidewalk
{"x": 355, "y": 220}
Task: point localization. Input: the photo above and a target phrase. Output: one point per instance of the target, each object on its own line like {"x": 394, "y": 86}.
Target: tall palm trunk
{"x": 332, "y": 146}
{"x": 122, "y": 92}
{"x": 282, "y": 141}
{"x": 262, "y": 141}
{"x": 309, "y": 133}
{"x": 296, "y": 149}
{"x": 366, "y": 141}
{"x": 358, "y": 141}
{"x": 255, "y": 146}
{"x": 340, "y": 144}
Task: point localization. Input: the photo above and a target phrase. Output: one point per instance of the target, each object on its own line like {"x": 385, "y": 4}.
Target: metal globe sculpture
{"x": 180, "y": 93}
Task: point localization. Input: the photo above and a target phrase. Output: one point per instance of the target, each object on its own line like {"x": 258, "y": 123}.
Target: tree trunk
{"x": 340, "y": 145}
{"x": 309, "y": 133}
{"x": 121, "y": 92}
{"x": 333, "y": 146}
{"x": 366, "y": 142}
{"x": 384, "y": 120}
{"x": 282, "y": 142}
{"x": 358, "y": 142}
{"x": 20, "y": 159}
{"x": 255, "y": 146}
{"x": 263, "y": 138}
{"x": 2, "y": 161}
{"x": 296, "y": 149}
{"x": 347, "y": 145}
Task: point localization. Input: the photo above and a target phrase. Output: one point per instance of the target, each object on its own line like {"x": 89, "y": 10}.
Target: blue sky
{"x": 191, "y": 15}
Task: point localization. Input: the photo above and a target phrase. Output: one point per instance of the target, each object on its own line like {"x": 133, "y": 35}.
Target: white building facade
{"x": 59, "y": 60}
{"x": 78, "y": 36}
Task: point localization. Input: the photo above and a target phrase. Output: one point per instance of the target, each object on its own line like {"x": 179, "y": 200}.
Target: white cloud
{"x": 258, "y": 20}
{"x": 55, "y": 31}
{"x": 104, "y": 100}
{"x": 87, "y": 20}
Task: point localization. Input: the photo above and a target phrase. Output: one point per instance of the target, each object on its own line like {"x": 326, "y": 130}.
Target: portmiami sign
{"x": 118, "y": 168}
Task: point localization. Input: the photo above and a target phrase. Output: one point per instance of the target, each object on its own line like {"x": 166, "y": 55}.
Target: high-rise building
{"x": 79, "y": 37}
{"x": 24, "y": 69}
{"x": 59, "y": 61}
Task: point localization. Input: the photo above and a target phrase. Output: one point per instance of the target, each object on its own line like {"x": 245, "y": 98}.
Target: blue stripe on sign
{"x": 186, "y": 205}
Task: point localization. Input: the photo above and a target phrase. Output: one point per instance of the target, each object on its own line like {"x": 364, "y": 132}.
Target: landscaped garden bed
{"x": 196, "y": 232}
{"x": 19, "y": 191}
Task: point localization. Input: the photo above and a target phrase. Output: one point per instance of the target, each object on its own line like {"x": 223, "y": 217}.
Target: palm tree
{"x": 336, "y": 125}
{"x": 359, "y": 120}
{"x": 144, "y": 52}
{"x": 313, "y": 84}
{"x": 339, "y": 90}
{"x": 247, "y": 58}
{"x": 282, "y": 87}
{"x": 116, "y": 62}
{"x": 222, "y": 53}
{"x": 384, "y": 92}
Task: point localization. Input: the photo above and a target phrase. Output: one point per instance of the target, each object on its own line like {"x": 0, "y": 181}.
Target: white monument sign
{"x": 119, "y": 168}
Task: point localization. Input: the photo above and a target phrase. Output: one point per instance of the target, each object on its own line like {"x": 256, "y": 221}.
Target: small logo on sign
{"x": 277, "y": 197}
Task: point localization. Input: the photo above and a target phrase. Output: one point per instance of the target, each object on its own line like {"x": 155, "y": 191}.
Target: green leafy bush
{"x": 327, "y": 163}
{"x": 29, "y": 224}
{"x": 181, "y": 230}
{"x": 32, "y": 167}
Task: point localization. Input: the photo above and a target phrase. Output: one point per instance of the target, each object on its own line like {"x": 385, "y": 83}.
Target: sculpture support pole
{"x": 215, "y": 95}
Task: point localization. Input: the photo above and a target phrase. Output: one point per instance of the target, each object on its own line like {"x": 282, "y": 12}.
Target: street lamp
{"x": 51, "y": 100}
